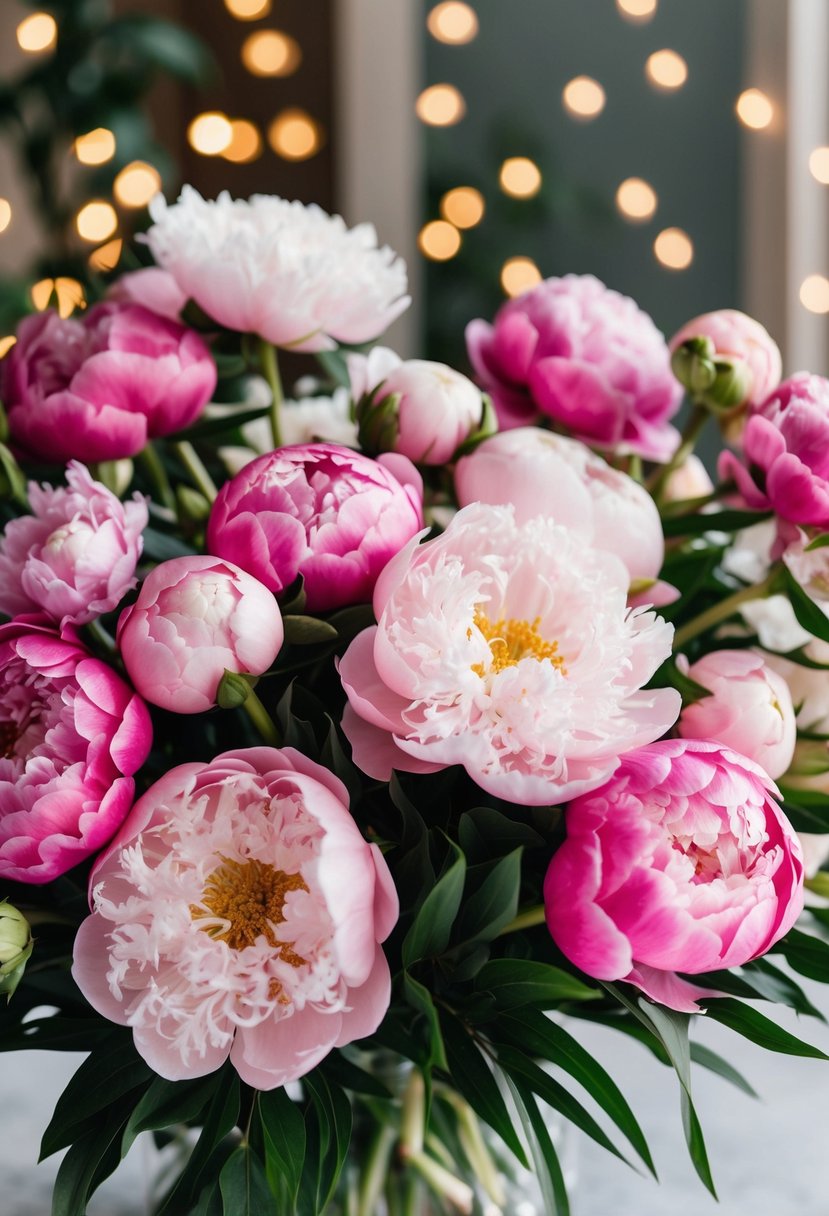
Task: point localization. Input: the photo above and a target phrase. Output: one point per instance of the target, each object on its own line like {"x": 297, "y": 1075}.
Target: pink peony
{"x": 735, "y": 336}
{"x": 195, "y": 618}
{"x": 785, "y": 465}
{"x": 750, "y": 708}
{"x": 540, "y": 473}
{"x": 98, "y": 388}
{"x": 321, "y": 511}
{"x": 586, "y": 357}
{"x": 690, "y": 480}
{"x": 239, "y": 913}
{"x": 74, "y": 558}
{"x": 283, "y": 270}
{"x": 681, "y": 862}
{"x": 507, "y": 648}
{"x": 152, "y": 288}
{"x": 73, "y": 734}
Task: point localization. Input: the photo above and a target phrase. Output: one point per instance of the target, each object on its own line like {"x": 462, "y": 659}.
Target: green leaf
{"x": 820, "y": 542}
{"x": 283, "y": 1129}
{"x": 421, "y": 999}
{"x": 545, "y": 1157}
{"x": 516, "y": 982}
{"x": 337, "y": 1067}
{"x": 308, "y": 630}
{"x": 494, "y": 904}
{"x": 210, "y": 427}
{"x": 775, "y": 985}
{"x": 220, "y": 1119}
{"x": 706, "y": 1058}
{"x": 161, "y": 547}
{"x": 809, "y": 615}
{"x": 164, "y": 45}
{"x": 483, "y": 830}
{"x": 90, "y": 1159}
{"x": 695, "y": 1141}
{"x": 717, "y": 521}
{"x": 334, "y": 1119}
{"x": 802, "y": 817}
{"x": 760, "y": 1029}
{"x": 243, "y": 1184}
{"x": 432, "y": 926}
{"x": 166, "y": 1103}
{"x": 806, "y": 954}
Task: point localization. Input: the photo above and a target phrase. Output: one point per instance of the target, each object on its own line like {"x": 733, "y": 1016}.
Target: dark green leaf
{"x": 809, "y": 615}
{"x": 806, "y": 954}
{"x": 210, "y": 427}
{"x": 706, "y": 1058}
{"x": 802, "y": 817}
{"x": 775, "y": 985}
{"x": 344, "y": 1072}
{"x": 283, "y": 1129}
{"x": 494, "y": 904}
{"x": 717, "y": 521}
{"x": 516, "y": 982}
{"x": 307, "y": 630}
{"x": 220, "y": 1119}
{"x": 162, "y": 547}
{"x": 166, "y": 1103}
{"x": 432, "y": 926}
{"x": 243, "y": 1185}
{"x": 421, "y": 998}
{"x": 695, "y": 1141}
{"x": 483, "y": 830}
{"x": 89, "y": 1160}
{"x": 545, "y": 1157}
{"x": 761, "y": 1030}
{"x": 474, "y": 1080}
{"x": 334, "y": 1118}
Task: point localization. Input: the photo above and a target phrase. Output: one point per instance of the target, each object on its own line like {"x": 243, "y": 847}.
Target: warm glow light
{"x": 107, "y": 257}
{"x": 754, "y": 109}
{"x": 136, "y": 184}
{"x": 248, "y": 10}
{"x": 666, "y": 69}
{"x": 38, "y": 32}
{"x": 439, "y": 240}
{"x": 5, "y": 214}
{"x": 96, "y": 221}
{"x": 452, "y": 22}
{"x": 519, "y": 275}
{"x": 246, "y": 143}
{"x": 584, "y": 97}
{"x": 96, "y": 147}
{"x": 464, "y": 206}
{"x": 6, "y": 344}
{"x": 68, "y": 292}
{"x": 210, "y": 133}
{"x": 440, "y": 105}
{"x": 674, "y": 248}
{"x": 295, "y": 135}
{"x": 637, "y": 10}
{"x": 271, "y": 53}
{"x": 819, "y": 165}
{"x": 636, "y": 199}
{"x": 520, "y": 177}
{"x": 814, "y": 293}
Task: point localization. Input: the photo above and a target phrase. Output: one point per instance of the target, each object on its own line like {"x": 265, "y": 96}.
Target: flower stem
{"x": 693, "y": 429}
{"x": 725, "y": 609}
{"x": 270, "y": 370}
{"x": 527, "y": 919}
{"x": 262, "y": 720}
{"x": 376, "y": 1170}
{"x": 157, "y": 474}
{"x": 101, "y": 636}
{"x": 192, "y": 462}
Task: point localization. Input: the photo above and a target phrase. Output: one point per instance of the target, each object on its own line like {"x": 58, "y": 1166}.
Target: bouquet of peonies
{"x": 355, "y": 749}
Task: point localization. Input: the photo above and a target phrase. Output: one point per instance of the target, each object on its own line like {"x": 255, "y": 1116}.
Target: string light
{"x": 637, "y": 10}
{"x": 248, "y": 10}
{"x": 96, "y": 147}
{"x": 439, "y": 240}
{"x": 5, "y": 214}
{"x": 441, "y": 105}
{"x": 464, "y": 206}
{"x": 136, "y": 184}
{"x": 96, "y": 221}
{"x": 452, "y": 22}
{"x": 37, "y": 32}
{"x": 107, "y": 257}
{"x": 210, "y": 133}
{"x": 754, "y": 109}
{"x": 674, "y": 249}
{"x": 814, "y": 293}
{"x": 520, "y": 177}
{"x": 295, "y": 135}
{"x": 666, "y": 69}
{"x": 518, "y": 275}
{"x": 271, "y": 53}
{"x": 636, "y": 199}
{"x": 68, "y": 293}
{"x": 246, "y": 143}
{"x": 584, "y": 97}
{"x": 6, "y": 344}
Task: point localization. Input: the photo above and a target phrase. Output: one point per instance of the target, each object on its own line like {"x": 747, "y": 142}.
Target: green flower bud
{"x": 193, "y": 506}
{"x": 15, "y": 947}
{"x": 693, "y": 365}
{"x": 116, "y": 475}
{"x": 233, "y": 690}
{"x": 720, "y": 384}
{"x": 377, "y": 422}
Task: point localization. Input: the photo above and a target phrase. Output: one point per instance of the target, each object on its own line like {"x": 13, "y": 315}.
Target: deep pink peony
{"x": 195, "y": 618}
{"x": 74, "y": 557}
{"x": 239, "y": 913}
{"x": 508, "y": 649}
{"x": 785, "y": 464}
{"x": 321, "y": 511}
{"x": 97, "y": 388}
{"x": 682, "y": 862}
{"x": 738, "y": 336}
{"x": 73, "y": 734}
{"x": 585, "y": 356}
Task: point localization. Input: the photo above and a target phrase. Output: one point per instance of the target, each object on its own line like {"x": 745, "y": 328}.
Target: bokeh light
{"x": 5, "y": 214}
{"x": 755, "y": 109}
{"x": 37, "y": 32}
{"x": 518, "y": 275}
{"x": 96, "y": 147}
{"x": 637, "y": 10}
{"x": 440, "y": 105}
{"x": 583, "y": 97}
{"x": 107, "y": 257}
{"x": 819, "y": 165}
{"x": 96, "y": 221}
{"x": 464, "y": 206}
{"x": 246, "y": 143}
{"x": 210, "y": 133}
{"x": 6, "y": 344}
{"x": 68, "y": 293}
{"x": 271, "y": 53}
{"x": 674, "y": 249}
{"x": 453, "y": 22}
{"x": 439, "y": 240}
{"x": 814, "y": 293}
{"x": 295, "y": 135}
{"x": 520, "y": 177}
{"x": 636, "y": 199}
{"x": 136, "y": 184}
{"x": 666, "y": 69}
{"x": 248, "y": 10}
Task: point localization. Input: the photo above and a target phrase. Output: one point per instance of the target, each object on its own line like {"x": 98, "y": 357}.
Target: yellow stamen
{"x": 512, "y": 639}
{"x": 251, "y": 896}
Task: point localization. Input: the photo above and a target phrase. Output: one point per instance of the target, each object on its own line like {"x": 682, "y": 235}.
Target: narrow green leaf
{"x": 717, "y": 521}
{"x": 545, "y": 1157}
{"x": 208, "y": 428}
{"x": 335, "y": 1118}
{"x": 495, "y": 903}
{"x": 89, "y": 1160}
{"x": 161, "y": 547}
{"x": 695, "y": 1141}
{"x": 421, "y": 998}
{"x": 243, "y": 1185}
{"x": 806, "y": 954}
{"x": 308, "y": 630}
{"x": 166, "y": 1103}
{"x": 474, "y": 1080}
{"x": 516, "y": 982}
{"x": 283, "y": 1129}
{"x": 337, "y": 1067}
{"x": 801, "y": 816}
{"x": 808, "y": 613}
{"x": 483, "y": 830}
{"x": 706, "y": 1058}
{"x": 760, "y": 1029}
{"x": 432, "y": 926}
{"x": 220, "y": 1119}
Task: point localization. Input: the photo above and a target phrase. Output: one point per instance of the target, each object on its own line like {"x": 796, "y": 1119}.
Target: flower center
{"x": 250, "y": 897}
{"x": 512, "y": 639}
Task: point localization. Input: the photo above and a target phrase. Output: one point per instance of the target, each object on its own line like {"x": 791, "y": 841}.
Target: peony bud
{"x": 718, "y": 383}
{"x": 16, "y": 945}
{"x": 726, "y": 360}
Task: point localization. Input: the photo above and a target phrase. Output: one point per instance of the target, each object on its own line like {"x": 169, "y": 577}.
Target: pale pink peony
{"x": 507, "y": 648}
{"x": 750, "y": 708}
{"x": 98, "y": 388}
{"x": 288, "y": 272}
{"x": 736, "y": 336}
{"x": 74, "y": 558}
{"x": 540, "y": 473}
{"x": 152, "y": 288}
{"x": 585, "y": 356}
{"x": 239, "y": 913}
{"x": 321, "y": 511}
{"x": 682, "y": 862}
{"x": 73, "y": 734}
{"x": 690, "y": 480}
{"x": 195, "y": 618}
{"x": 785, "y": 461}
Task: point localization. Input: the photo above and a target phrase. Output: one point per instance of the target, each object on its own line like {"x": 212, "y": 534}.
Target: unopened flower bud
{"x": 116, "y": 475}
{"x": 693, "y": 365}
{"x": 234, "y": 689}
{"x": 377, "y": 422}
{"x": 192, "y": 505}
{"x": 15, "y": 947}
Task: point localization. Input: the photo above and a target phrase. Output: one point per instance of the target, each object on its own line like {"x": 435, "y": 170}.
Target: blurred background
{"x": 678, "y": 151}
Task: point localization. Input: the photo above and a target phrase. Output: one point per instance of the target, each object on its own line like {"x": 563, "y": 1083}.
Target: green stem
{"x": 270, "y": 370}
{"x": 376, "y": 1170}
{"x": 525, "y": 920}
{"x": 693, "y": 429}
{"x": 192, "y": 462}
{"x": 725, "y": 609}
{"x": 104, "y": 639}
{"x": 262, "y": 720}
{"x": 157, "y": 474}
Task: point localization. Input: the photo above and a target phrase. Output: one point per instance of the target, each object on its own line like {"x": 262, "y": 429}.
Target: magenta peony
{"x": 239, "y": 913}
{"x": 98, "y": 388}
{"x": 584, "y": 356}
{"x": 321, "y": 511}
{"x": 195, "y": 618}
{"x": 74, "y": 557}
{"x": 735, "y": 336}
{"x": 508, "y": 649}
{"x": 682, "y": 862}
{"x": 73, "y": 734}
{"x": 785, "y": 464}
